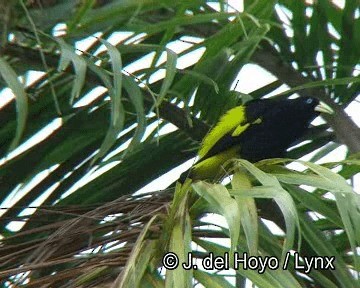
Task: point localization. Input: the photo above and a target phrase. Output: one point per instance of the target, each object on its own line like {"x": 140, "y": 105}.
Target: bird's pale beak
{"x": 324, "y": 108}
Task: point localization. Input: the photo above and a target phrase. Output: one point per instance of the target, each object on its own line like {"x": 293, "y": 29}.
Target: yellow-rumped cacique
{"x": 260, "y": 129}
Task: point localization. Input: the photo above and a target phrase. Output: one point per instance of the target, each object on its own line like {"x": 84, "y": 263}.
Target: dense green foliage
{"x": 88, "y": 228}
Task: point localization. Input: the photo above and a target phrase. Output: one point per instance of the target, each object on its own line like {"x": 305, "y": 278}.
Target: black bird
{"x": 260, "y": 129}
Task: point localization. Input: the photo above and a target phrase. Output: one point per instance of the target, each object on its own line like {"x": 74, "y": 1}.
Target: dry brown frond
{"x": 78, "y": 242}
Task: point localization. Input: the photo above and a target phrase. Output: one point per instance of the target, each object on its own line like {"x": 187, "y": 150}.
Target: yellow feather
{"x": 239, "y": 129}
{"x": 211, "y": 167}
{"x": 227, "y": 123}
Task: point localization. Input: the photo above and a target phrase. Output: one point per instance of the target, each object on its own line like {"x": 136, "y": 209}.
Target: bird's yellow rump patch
{"x": 229, "y": 122}
{"x": 211, "y": 167}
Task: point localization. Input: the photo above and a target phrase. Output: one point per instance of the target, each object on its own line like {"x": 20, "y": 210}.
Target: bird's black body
{"x": 271, "y": 127}
{"x": 283, "y": 122}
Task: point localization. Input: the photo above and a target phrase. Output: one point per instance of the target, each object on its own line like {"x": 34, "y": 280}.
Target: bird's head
{"x": 300, "y": 110}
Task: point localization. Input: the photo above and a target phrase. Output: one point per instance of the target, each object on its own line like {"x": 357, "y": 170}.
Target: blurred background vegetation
{"x": 101, "y": 97}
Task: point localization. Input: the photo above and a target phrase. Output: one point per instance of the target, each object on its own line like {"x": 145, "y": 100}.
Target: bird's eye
{"x": 309, "y": 101}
